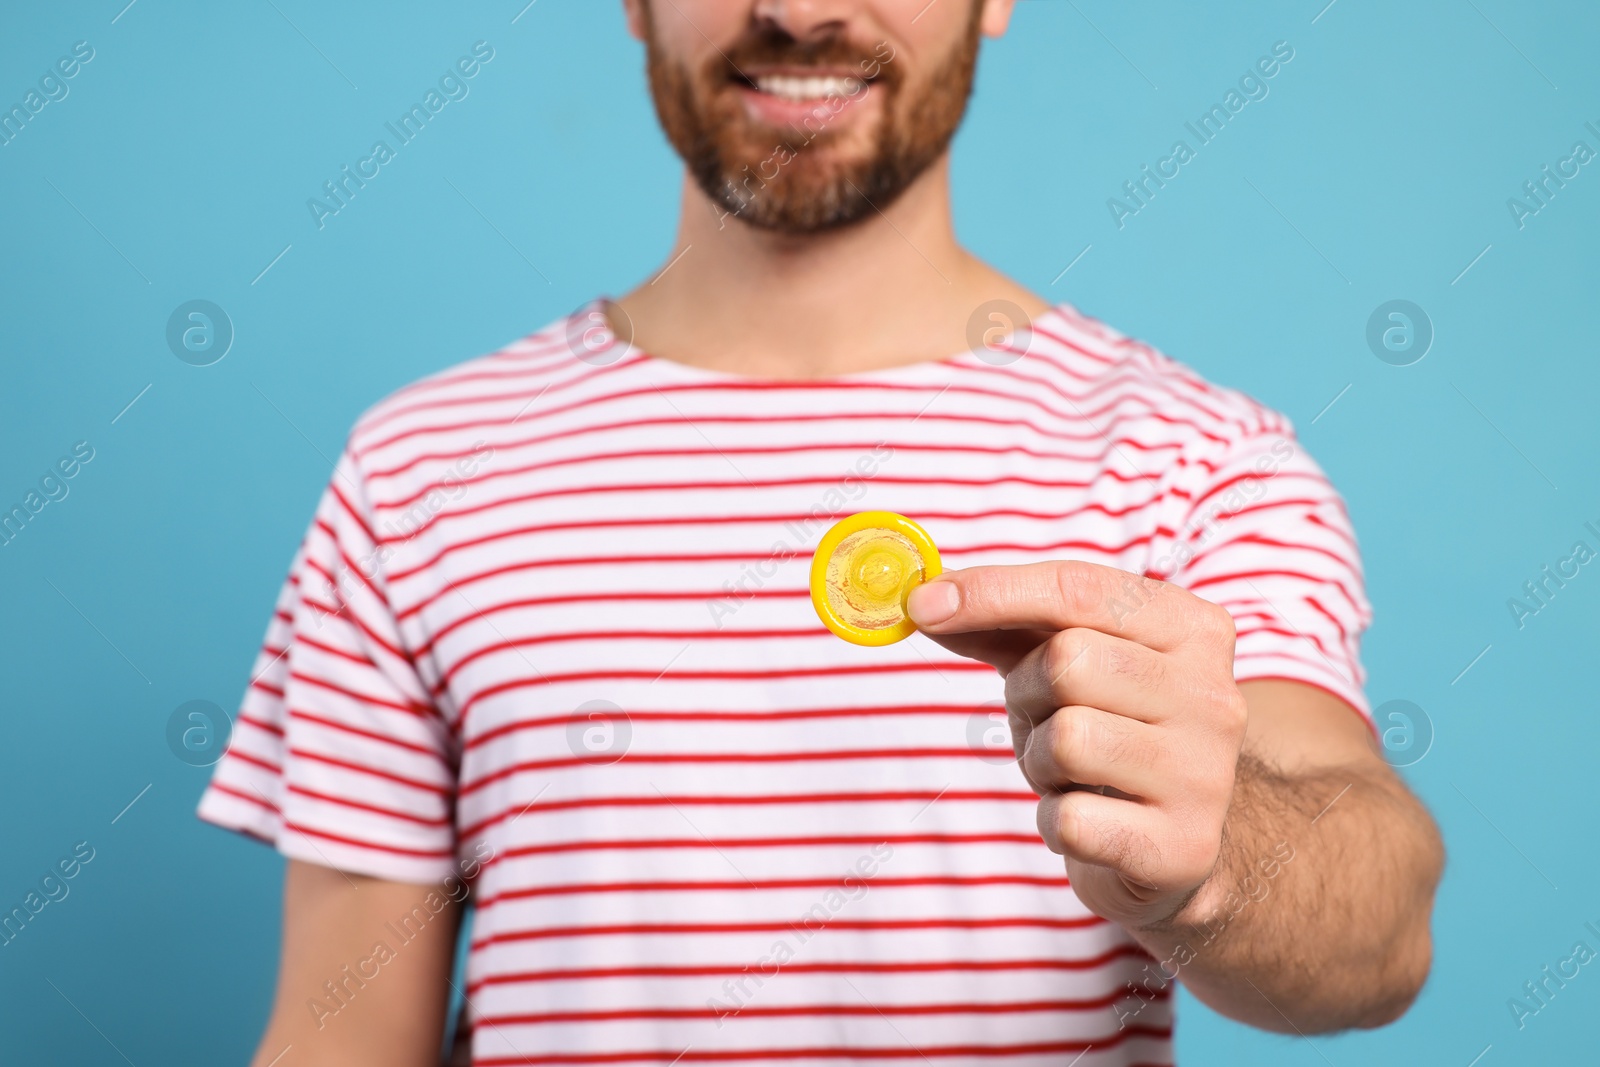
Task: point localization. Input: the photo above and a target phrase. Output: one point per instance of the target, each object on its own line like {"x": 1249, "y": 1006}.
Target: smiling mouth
{"x": 803, "y": 88}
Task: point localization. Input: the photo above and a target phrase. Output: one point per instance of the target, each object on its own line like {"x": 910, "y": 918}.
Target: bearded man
{"x": 548, "y": 640}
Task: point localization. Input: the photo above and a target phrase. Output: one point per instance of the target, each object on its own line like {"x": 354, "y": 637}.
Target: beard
{"x": 804, "y": 181}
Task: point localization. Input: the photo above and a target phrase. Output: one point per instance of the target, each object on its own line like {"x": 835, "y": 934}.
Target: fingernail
{"x": 932, "y": 603}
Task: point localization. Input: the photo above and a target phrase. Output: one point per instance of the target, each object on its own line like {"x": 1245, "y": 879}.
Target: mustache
{"x": 771, "y": 47}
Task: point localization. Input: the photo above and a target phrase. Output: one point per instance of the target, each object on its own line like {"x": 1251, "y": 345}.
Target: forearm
{"x": 1316, "y": 917}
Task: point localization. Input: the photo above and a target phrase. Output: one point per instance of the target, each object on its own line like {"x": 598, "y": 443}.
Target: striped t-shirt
{"x": 550, "y": 627}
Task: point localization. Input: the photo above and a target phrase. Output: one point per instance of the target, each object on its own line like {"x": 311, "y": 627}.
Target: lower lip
{"x": 803, "y": 114}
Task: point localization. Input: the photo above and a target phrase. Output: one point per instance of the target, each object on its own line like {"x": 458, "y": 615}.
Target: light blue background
{"x": 1381, "y": 164}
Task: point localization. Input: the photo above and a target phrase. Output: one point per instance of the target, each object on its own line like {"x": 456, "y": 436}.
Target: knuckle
{"x": 1084, "y": 742}
{"x": 1226, "y": 707}
{"x": 1020, "y": 687}
{"x": 1238, "y": 711}
{"x": 1196, "y": 844}
{"x": 1032, "y": 757}
{"x": 1071, "y": 743}
{"x": 1066, "y": 655}
{"x": 1077, "y": 587}
{"x": 1216, "y": 624}
{"x": 1067, "y": 824}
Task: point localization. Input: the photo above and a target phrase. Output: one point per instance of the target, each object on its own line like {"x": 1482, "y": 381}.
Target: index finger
{"x": 1058, "y": 595}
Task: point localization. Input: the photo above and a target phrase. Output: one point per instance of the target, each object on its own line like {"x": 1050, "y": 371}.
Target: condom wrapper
{"x": 862, "y": 572}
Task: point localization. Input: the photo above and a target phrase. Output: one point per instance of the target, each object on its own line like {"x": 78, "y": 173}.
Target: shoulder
{"x": 454, "y": 404}
{"x": 1126, "y": 380}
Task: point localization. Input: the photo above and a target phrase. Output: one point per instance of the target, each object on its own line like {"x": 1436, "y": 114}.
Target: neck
{"x": 894, "y": 288}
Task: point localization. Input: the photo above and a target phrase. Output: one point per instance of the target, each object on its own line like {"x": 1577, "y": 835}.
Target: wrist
{"x": 1232, "y": 889}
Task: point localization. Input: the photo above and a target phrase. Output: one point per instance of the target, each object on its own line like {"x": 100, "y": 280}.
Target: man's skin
{"x": 1173, "y": 793}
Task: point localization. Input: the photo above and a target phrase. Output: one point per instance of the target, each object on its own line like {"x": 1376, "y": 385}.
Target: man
{"x": 549, "y": 636}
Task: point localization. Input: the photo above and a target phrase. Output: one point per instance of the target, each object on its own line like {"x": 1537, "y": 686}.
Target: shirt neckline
{"x": 965, "y": 358}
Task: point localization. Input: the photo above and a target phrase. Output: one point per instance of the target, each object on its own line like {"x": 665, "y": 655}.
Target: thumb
{"x": 933, "y": 602}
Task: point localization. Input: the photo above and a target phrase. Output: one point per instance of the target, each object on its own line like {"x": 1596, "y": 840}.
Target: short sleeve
{"x": 1264, "y": 535}
{"x": 338, "y": 755}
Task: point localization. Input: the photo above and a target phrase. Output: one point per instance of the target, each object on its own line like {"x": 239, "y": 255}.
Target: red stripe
{"x": 349, "y": 565}
{"x": 438, "y": 687}
{"x": 1079, "y": 320}
{"x": 1310, "y": 515}
{"x": 866, "y": 925}
{"x": 1099, "y": 380}
{"x": 742, "y": 485}
{"x": 413, "y": 783}
{"x": 371, "y": 735}
{"x": 1141, "y": 384}
{"x": 1168, "y": 370}
{"x": 1257, "y": 539}
{"x": 594, "y": 403}
{"x": 1316, "y": 605}
{"x": 737, "y": 557}
{"x": 528, "y": 349}
{"x": 467, "y": 833}
{"x": 1295, "y": 635}
{"x": 261, "y": 724}
{"x": 1279, "y": 657}
{"x": 583, "y": 598}
{"x": 1271, "y": 505}
{"x": 266, "y": 765}
{"x": 1245, "y": 576}
{"x": 775, "y": 715}
{"x": 470, "y": 786}
{"x": 1256, "y": 476}
{"x": 780, "y": 1011}
{"x": 1265, "y": 616}
{"x": 579, "y": 598}
{"x": 785, "y": 418}
{"x": 756, "y": 450}
{"x": 239, "y": 794}
{"x": 550, "y": 342}
{"x": 541, "y": 344}
{"x": 828, "y": 967}
{"x": 759, "y": 842}
{"x": 371, "y": 846}
{"x": 586, "y": 375}
{"x": 367, "y": 699}
{"x": 323, "y": 646}
{"x": 333, "y": 612}
{"x": 1170, "y": 373}
{"x": 1167, "y": 384}
{"x": 615, "y": 674}
{"x": 1330, "y": 527}
{"x": 350, "y": 509}
{"x": 400, "y": 574}
{"x": 374, "y": 809}
{"x": 748, "y": 885}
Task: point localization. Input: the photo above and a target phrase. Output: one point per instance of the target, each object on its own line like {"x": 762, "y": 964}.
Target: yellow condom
{"x": 862, "y": 572}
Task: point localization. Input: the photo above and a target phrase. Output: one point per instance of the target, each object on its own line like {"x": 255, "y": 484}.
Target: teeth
{"x": 791, "y": 87}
